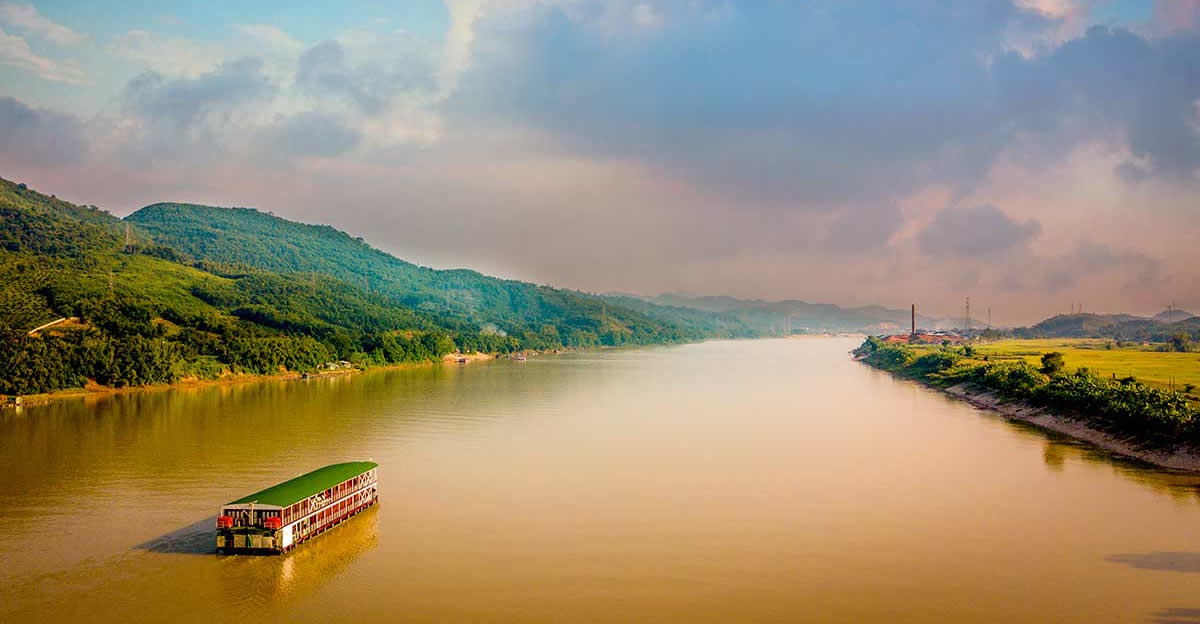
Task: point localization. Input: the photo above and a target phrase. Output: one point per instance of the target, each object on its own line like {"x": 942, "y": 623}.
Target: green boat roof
{"x": 306, "y": 485}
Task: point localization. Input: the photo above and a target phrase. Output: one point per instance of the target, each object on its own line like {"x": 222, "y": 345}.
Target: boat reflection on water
{"x": 302, "y": 571}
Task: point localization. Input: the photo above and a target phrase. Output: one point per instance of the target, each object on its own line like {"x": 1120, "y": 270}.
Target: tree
{"x": 1181, "y": 342}
{"x": 1052, "y": 363}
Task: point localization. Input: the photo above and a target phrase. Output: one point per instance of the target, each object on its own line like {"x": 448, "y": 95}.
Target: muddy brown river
{"x": 766, "y": 481}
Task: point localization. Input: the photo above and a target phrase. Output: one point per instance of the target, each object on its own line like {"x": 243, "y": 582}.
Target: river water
{"x": 772, "y": 480}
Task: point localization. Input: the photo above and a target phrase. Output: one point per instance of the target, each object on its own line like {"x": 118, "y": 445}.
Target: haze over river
{"x": 772, "y": 480}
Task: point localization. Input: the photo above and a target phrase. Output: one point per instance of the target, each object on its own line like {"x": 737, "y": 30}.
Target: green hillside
{"x": 1116, "y": 326}
{"x": 188, "y": 292}
{"x": 539, "y": 316}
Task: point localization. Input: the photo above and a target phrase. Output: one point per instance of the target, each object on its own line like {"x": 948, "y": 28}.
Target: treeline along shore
{"x": 1126, "y": 416}
{"x": 179, "y": 292}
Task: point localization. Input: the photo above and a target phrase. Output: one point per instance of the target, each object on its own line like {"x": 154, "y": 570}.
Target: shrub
{"x": 869, "y": 346}
{"x": 1127, "y": 406}
{"x": 1053, "y": 363}
{"x": 890, "y": 357}
{"x": 1015, "y": 379}
{"x": 964, "y": 371}
{"x": 933, "y": 362}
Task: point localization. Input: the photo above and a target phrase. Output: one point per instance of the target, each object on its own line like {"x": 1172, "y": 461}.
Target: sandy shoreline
{"x": 1040, "y": 417}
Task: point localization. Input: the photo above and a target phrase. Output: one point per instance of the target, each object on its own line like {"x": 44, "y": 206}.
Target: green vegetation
{"x": 236, "y": 291}
{"x": 305, "y": 485}
{"x": 1178, "y": 328}
{"x": 1053, "y": 363}
{"x": 1151, "y": 363}
{"x": 1123, "y": 406}
{"x": 537, "y": 317}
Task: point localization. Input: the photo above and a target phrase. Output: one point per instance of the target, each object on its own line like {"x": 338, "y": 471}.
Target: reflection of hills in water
{"x": 254, "y": 579}
{"x": 192, "y": 435}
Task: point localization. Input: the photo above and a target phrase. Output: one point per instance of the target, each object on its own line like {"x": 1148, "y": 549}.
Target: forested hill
{"x": 137, "y": 309}
{"x": 248, "y": 237}
{"x": 1115, "y": 326}
{"x": 772, "y": 316}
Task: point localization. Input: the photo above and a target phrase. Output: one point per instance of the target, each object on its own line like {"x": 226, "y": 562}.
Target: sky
{"x": 1030, "y": 154}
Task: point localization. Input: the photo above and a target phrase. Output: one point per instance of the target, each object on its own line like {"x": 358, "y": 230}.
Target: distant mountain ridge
{"x": 1115, "y": 326}
{"x": 1173, "y": 315}
{"x": 1079, "y": 325}
{"x": 774, "y": 316}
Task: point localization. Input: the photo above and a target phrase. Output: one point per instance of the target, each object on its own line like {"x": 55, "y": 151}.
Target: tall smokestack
{"x": 914, "y": 319}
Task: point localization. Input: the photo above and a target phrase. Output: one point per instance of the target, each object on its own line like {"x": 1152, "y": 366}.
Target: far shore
{"x": 1176, "y": 459}
{"x": 94, "y": 391}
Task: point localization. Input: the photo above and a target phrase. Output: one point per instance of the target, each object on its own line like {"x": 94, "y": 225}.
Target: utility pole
{"x": 989, "y": 317}
{"x": 967, "y": 324}
{"x": 914, "y": 320}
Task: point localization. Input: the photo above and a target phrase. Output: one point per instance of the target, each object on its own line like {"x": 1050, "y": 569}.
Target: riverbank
{"x": 1125, "y": 416}
{"x": 93, "y": 390}
{"x": 1071, "y": 426}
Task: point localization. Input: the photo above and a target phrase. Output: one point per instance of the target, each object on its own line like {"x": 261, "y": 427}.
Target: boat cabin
{"x": 285, "y": 515}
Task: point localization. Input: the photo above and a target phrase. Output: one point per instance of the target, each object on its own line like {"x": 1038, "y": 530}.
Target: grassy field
{"x": 1145, "y": 363}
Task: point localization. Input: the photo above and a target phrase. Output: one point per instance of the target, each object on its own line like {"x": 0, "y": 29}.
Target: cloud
{"x": 166, "y": 54}
{"x": 27, "y": 18}
{"x": 797, "y": 103}
{"x": 854, "y": 232}
{"x": 307, "y": 134}
{"x": 644, "y": 16}
{"x": 15, "y": 51}
{"x": 1111, "y": 80}
{"x": 326, "y": 70}
{"x": 980, "y": 231}
{"x": 274, "y": 37}
{"x": 1090, "y": 260}
{"x": 1131, "y": 173}
{"x": 826, "y": 103}
{"x": 1174, "y": 16}
{"x": 189, "y": 119}
{"x": 181, "y": 102}
{"x": 39, "y": 137}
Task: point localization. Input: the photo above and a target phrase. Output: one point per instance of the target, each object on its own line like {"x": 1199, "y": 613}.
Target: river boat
{"x": 283, "y": 516}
